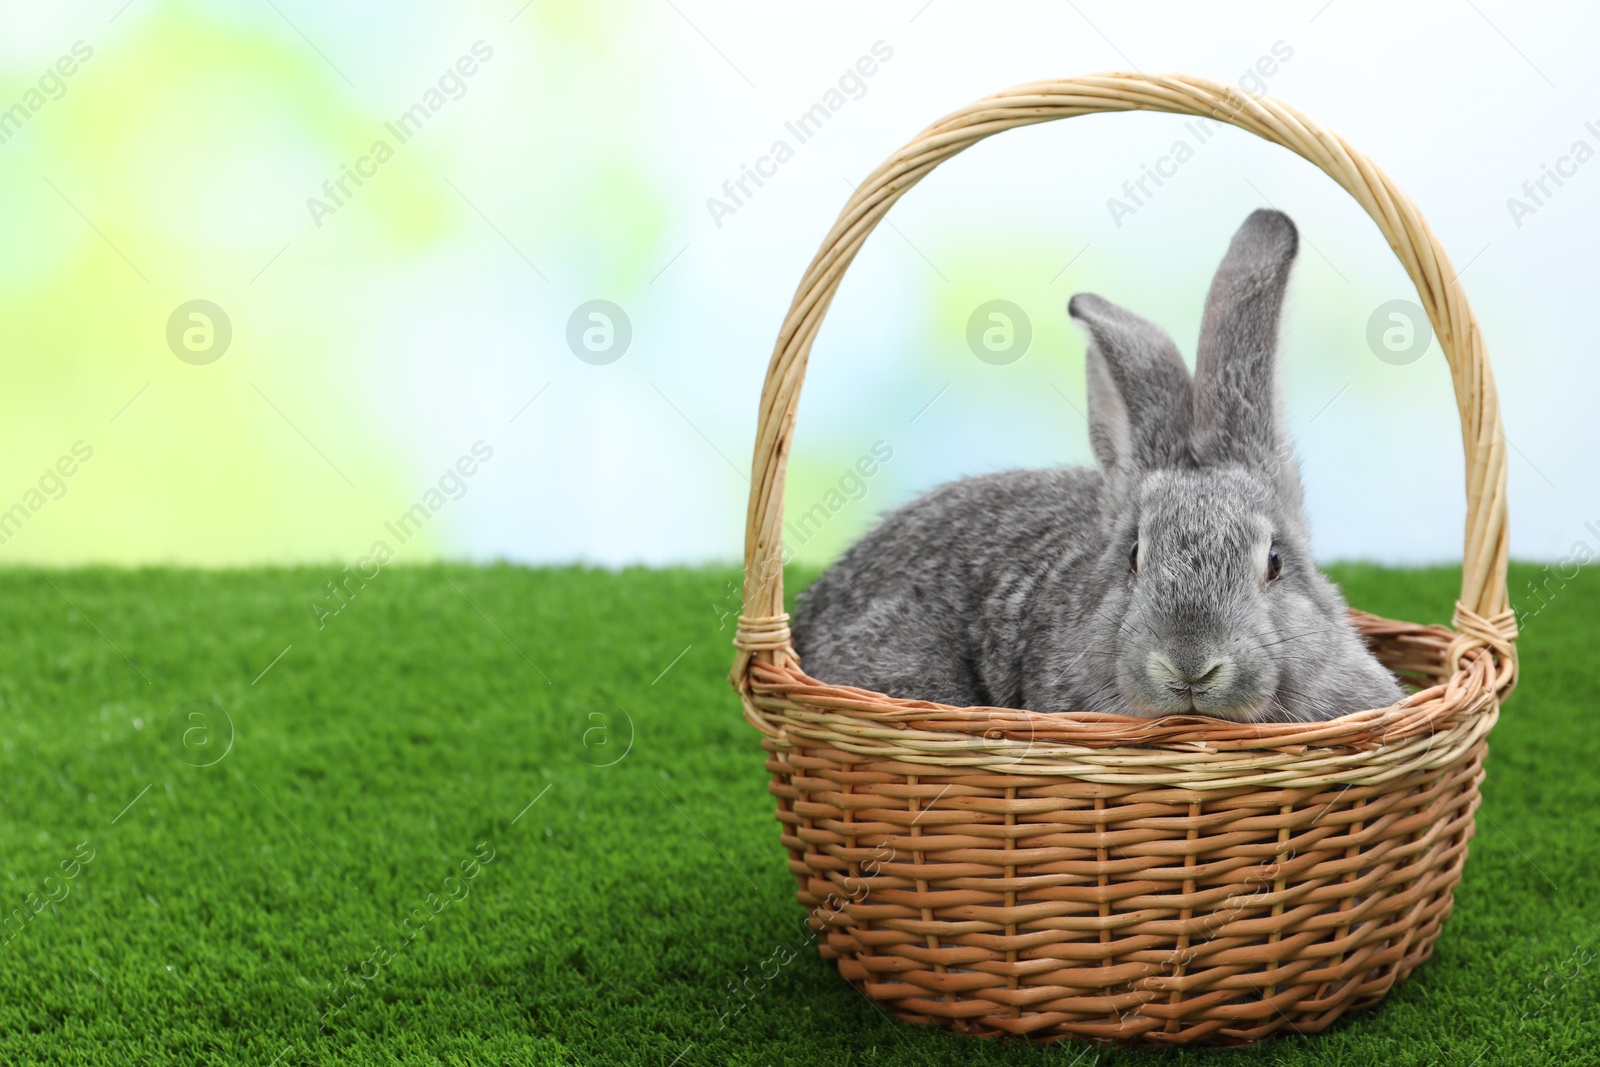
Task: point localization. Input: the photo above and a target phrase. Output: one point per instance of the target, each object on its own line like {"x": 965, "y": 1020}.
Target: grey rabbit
{"x": 1175, "y": 579}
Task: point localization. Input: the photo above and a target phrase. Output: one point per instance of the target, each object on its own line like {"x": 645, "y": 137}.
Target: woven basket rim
{"x": 1476, "y": 682}
{"x": 1429, "y": 729}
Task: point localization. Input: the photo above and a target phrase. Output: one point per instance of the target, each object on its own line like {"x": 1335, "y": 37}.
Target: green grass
{"x": 375, "y": 755}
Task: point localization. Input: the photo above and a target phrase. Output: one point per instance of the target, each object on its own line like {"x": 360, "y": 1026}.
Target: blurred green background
{"x": 539, "y": 156}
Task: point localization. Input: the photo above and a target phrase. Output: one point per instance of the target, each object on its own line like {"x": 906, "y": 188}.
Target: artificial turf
{"x": 210, "y": 906}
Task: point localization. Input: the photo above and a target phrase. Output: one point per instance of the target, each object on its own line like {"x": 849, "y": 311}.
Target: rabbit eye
{"x": 1133, "y": 559}
{"x": 1274, "y": 565}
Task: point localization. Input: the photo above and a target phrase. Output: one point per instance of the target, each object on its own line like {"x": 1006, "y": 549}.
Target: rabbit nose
{"x": 1211, "y": 673}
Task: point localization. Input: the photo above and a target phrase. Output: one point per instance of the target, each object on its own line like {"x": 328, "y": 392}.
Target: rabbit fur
{"x": 1174, "y": 579}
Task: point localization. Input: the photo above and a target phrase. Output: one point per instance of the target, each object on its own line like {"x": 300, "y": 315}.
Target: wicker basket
{"x": 1001, "y": 872}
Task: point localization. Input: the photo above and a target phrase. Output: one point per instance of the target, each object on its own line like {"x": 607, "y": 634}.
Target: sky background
{"x": 376, "y": 339}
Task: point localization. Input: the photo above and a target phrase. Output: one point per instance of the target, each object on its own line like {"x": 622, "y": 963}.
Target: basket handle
{"x": 1482, "y": 617}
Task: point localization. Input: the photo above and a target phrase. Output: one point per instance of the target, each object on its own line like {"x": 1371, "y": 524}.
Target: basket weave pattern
{"x": 998, "y": 871}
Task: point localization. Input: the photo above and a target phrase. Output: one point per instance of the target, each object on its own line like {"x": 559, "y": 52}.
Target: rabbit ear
{"x": 1141, "y": 402}
{"x": 1238, "y": 398}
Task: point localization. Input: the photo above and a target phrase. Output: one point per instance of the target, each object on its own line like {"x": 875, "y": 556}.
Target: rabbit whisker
{"x": 1295, "y": 637}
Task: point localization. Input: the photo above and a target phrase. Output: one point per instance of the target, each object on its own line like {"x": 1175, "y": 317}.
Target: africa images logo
{"x": 451, "y": 85}
{"x": 804, "y": 127}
